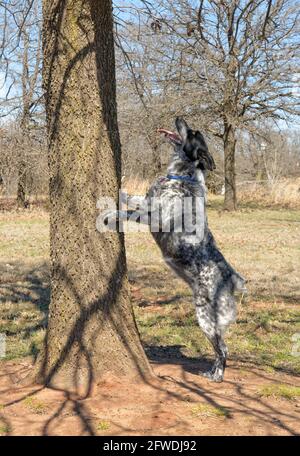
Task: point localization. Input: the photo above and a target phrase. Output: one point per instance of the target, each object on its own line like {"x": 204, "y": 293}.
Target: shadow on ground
{"x": 177, "y": 401}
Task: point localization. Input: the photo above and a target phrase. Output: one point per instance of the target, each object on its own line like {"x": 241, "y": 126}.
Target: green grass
{"x": 24, "y": 281}
{"x": 25, "y": 330}
{"x": 4, "y": 429}
{"x": 102, "y": 426}
{"x": 207, "y": 410}
{"x": 35, "y": 406}
{"x": 280, "y": 391}
{"x": 248, "y": 340}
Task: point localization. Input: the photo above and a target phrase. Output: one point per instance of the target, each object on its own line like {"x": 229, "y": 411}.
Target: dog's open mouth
{"x": 171, "y": 135}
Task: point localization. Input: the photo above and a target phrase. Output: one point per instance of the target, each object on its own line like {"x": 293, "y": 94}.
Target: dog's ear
{"x": 182, "y": 128}
{"x": 206, "y": 161}
{"x": 202, "y": 146}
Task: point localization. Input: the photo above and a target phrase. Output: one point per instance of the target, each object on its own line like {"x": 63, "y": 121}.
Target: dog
{"x": 191, "y": 253}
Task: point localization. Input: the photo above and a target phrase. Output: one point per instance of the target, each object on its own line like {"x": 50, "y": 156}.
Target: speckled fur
{"x": 199, "y": 263}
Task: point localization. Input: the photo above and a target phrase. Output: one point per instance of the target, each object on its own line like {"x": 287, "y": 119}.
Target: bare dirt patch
{"x": 177, "y": 402}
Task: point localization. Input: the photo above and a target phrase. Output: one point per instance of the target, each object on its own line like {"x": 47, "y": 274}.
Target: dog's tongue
{"x": 170, "y": 135}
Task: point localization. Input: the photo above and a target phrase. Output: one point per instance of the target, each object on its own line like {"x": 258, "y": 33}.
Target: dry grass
{"x": 210, "y": 411}
{"x": 136, "y": 186}
{"x": 280, "y": 392}
{"x": 35, "y": 406}
{"x": 284, "y": 193}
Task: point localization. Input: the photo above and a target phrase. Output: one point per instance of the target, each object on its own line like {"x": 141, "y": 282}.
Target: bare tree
{"x": 29, "y": 85}
{"x": 143, "y": 97}
{"x": 241, "y": 61}
{"x": 20, "y": 67}
{"x": 14, "y": 147}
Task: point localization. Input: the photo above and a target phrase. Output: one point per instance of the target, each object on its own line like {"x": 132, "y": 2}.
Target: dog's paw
{"x": 214, "y": 375}
{"x": 109, "y": 219}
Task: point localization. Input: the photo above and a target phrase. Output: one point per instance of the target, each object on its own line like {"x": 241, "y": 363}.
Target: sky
{"x": 125, "y": 14}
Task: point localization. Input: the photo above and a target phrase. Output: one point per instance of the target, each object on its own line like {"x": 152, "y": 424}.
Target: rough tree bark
{"x": 91, "y": 329}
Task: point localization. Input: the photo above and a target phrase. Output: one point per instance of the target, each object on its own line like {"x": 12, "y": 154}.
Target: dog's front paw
{"x": 107, "y": 220}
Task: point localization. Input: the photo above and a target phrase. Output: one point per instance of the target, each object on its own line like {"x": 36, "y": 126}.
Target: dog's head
{"x": 191, "y": 143}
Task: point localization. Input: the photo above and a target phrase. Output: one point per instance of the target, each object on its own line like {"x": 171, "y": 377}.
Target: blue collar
{"x": 189, "y": 179}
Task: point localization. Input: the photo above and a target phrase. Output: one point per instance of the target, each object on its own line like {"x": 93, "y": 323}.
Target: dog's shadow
{"x": 173, "y": 354}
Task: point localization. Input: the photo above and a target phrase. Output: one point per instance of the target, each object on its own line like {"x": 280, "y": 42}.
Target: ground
{"x": 261, "y": 391}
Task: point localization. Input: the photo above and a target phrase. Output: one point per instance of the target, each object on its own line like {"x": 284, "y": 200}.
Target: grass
{"x": 4, "y": 429}
{"x": 103, "y": 426}
{"x": 262, "y": 244}
{"x": 284, "y": 193}
{"x": 248, "y": 340}
{"x": 206, "y": 410}
{"x": 280, "y": 391}
{"x": 35, "y": 406}
{"x": 23, "y": 236}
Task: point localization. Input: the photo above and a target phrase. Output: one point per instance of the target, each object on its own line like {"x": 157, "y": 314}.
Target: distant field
{"x": 262, "y": 244}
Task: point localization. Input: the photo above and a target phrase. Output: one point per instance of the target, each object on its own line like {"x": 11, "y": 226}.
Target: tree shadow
{"x": 31, "y": 286}
{"x": 24, "y": 285}
{"x": 248, "y": 404}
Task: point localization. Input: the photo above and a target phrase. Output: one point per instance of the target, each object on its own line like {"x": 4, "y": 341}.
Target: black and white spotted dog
{"x": 192, "y": 254}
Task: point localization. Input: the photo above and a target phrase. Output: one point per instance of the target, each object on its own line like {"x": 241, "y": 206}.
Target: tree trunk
{"x": 21, "y": 188}
{"x": 22, "y": 168}
{"x": 91, "y": 329}
{"x": 157, "y": 166}
{"x": 1, "y": 185}
{"x": 230, "y": 201}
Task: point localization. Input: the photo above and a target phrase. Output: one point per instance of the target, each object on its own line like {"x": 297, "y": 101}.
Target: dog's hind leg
{"x": 207, "y": 322}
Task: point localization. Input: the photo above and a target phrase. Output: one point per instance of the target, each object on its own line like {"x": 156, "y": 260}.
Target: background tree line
{"x": 231, "y": 67}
